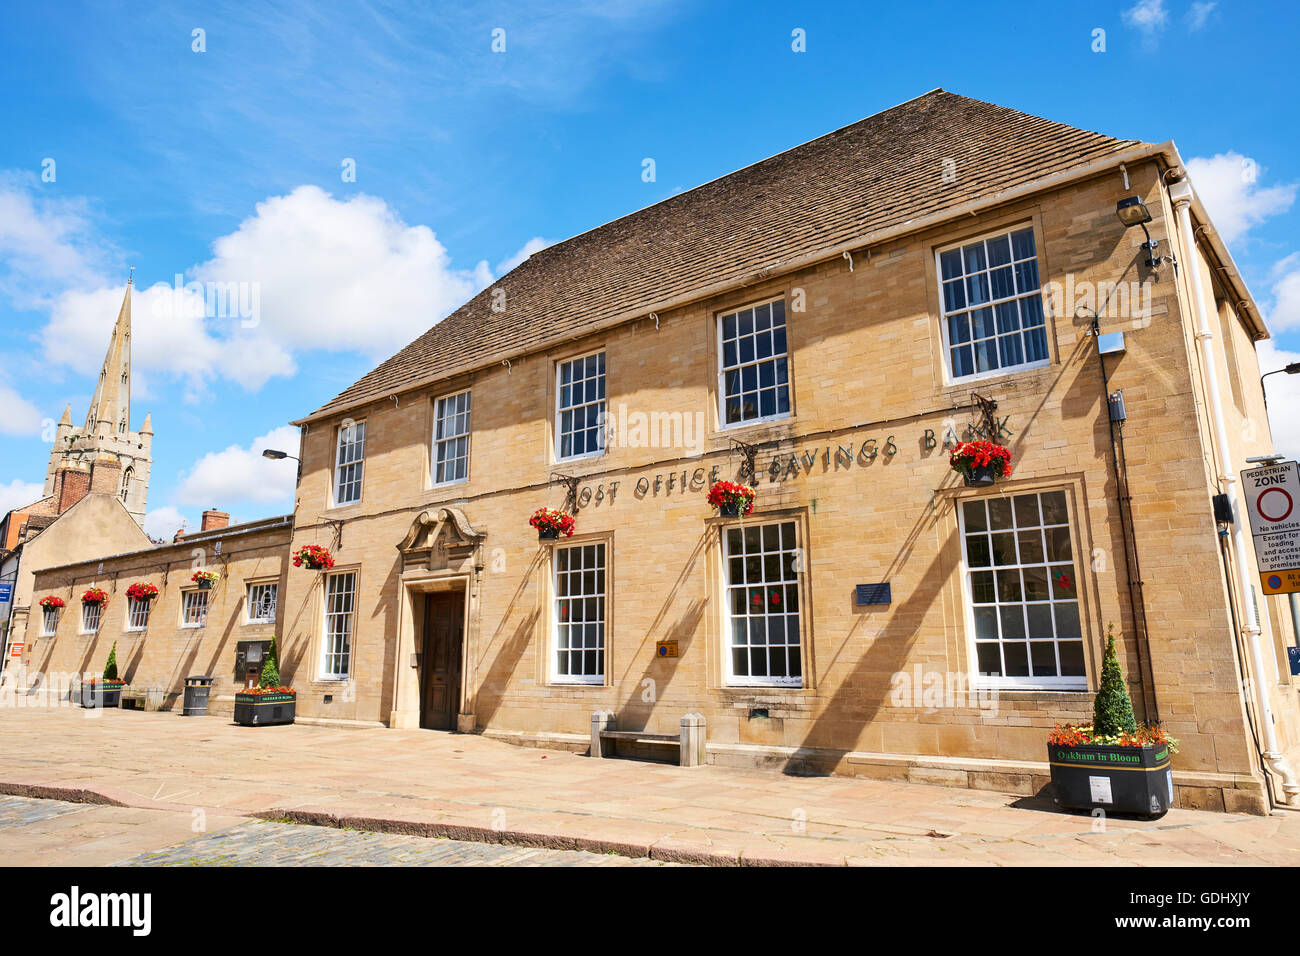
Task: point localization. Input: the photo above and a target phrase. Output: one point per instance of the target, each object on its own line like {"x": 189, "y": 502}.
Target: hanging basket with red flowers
{"x": 51, "y": 601}
{"x": 731, "y": 499}
{"x": 551, "y": 524}
{"x": 313, "y": 557}
{"x": 205, "y": 579}
{"x": 94, "y": 596}
{"x": 980, "y": 463}
{"x": 142, "y": 591}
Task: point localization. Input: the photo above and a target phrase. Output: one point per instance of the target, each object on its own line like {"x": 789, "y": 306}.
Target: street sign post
{"x": 1272, "y": 496}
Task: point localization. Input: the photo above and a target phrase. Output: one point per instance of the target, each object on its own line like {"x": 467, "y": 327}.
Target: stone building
{"x": 94, "y": 498}
{"x": 837, "y": 315}
{"x": 824, "y": 324}
{"x": 223, "y": 632}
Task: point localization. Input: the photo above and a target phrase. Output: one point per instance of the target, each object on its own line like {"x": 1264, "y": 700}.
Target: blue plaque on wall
{"x": 873, "y": 594}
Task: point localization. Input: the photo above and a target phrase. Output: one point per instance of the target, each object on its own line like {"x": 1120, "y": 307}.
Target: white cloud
{"x": 240, "y": 475}
{"x": 306, "y": 271}
{"x": 18, "y": 493}
{"x": 1228, "y": 185}
{"x": 1199, "y": 14}
{"x": 1148, "y": 16}
{"x": 161, "y": 524}
{"x": 1283, "y": 398}
{"x": 1284, "y": 313}
{"x": 535, "y": 244}
{"x": 340, "y": 274}
{"x": 44, "y": 244}
{"x": 17, "y": 415}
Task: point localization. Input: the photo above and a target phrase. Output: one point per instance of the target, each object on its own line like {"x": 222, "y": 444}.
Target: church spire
{"x": 110, "y": 409}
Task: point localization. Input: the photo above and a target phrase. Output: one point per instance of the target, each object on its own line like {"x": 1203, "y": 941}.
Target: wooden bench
{"x": 689, "y": 743}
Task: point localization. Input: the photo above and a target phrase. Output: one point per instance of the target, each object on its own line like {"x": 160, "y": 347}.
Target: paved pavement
{"x": 465, "y": 787}
{"x": 34, "y": 831}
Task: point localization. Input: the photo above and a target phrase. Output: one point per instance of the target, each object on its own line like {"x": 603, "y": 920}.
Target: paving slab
{"x": 431, "y": 784}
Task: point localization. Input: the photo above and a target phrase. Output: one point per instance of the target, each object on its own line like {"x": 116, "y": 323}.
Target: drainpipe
{"x": 1181, "y": 195}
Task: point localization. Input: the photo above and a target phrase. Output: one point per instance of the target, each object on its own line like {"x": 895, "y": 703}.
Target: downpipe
{"x": 1181, "y": 195}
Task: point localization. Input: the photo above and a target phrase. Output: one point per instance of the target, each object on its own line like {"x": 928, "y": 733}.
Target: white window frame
{"x": 560, "y": 410}
{"x": 349, "y": 617}
{"x": 1028, "y": 682}
{"x": 190, "y": 602}
{"x": 251, "y": 601}
{"x": 137, "y": 614}
{"x": 949, "y": 376}
{"x": 718, "y": 321}
{"x": 359, "y": 462}
{"x": 600, "y": 595}
{"x": 49, "y": 621}
{"x": 729, "y": 670}
{"x": 91, "y": 610}
{"x": 450, "y": 438}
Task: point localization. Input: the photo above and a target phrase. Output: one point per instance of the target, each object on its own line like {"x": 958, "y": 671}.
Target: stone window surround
{"x": 468, "y": 435}
{"x": 336, "y": 473}
{"x": 556, "y": 434}
{"x": 321, "y": 676}
{"x": 249, "y": 585}
{"x": 1006, "y": 230}
{"x": 717, "y": 621}
{"x": 545, "y": 674}
{"x": 719, "y": 385}
{"x": 962, "y": 650}
{"x": 189, "y": 597}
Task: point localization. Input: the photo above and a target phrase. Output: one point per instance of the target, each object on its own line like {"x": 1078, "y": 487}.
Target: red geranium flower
{"x": 730, "y": 493}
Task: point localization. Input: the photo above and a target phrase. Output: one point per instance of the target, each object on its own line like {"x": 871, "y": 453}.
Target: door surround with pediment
{"x": 441, "y": 552}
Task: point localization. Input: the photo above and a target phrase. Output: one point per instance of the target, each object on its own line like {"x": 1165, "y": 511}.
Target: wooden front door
{"x": 444, "y": 621}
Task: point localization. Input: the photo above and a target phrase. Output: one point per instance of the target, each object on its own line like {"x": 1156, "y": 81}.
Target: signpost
{"x": 1273, "y": 504}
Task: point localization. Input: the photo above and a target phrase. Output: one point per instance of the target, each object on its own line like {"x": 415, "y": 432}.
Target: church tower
{"x": 105, "y": 456}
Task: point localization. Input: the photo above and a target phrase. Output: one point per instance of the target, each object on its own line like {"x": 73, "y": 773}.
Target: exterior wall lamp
{"x": 1133, "y": 212}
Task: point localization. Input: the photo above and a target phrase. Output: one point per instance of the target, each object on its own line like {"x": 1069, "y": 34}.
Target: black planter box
{"x": 263, "y": 710}
{"x": 548, "y": 534}
{"x": 101, "y": 694}
{"x": 981, "y": 476}
{"x": 730, "y": 510}
{"x": 1115, "y": 779}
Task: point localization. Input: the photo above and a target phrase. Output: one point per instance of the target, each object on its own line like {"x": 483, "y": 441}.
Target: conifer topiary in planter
{"x": 270, "y": 702}
{"x": 1112, "y": 764}
{"x": 105, "y": 691}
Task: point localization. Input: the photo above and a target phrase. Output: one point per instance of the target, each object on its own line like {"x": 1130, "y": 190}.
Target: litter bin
{"x": 196, "y": 696}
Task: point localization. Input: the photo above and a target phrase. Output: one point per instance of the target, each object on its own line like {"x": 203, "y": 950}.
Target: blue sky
{"x": 228, "y": 164}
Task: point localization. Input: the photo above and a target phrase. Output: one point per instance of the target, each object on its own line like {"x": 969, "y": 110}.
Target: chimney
{"x": 214, "y": 519}
{"x": 106, "y": 475}
{"x": 71, "y": 485}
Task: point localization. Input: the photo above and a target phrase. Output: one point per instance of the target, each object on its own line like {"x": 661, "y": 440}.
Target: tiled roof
{"x": 883, "y": 171}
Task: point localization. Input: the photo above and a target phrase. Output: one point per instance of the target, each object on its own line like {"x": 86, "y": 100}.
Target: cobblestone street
{"x": 28, "y": 821}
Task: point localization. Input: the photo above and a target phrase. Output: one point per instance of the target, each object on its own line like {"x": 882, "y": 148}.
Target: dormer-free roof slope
{"x": 883, "y": 171}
